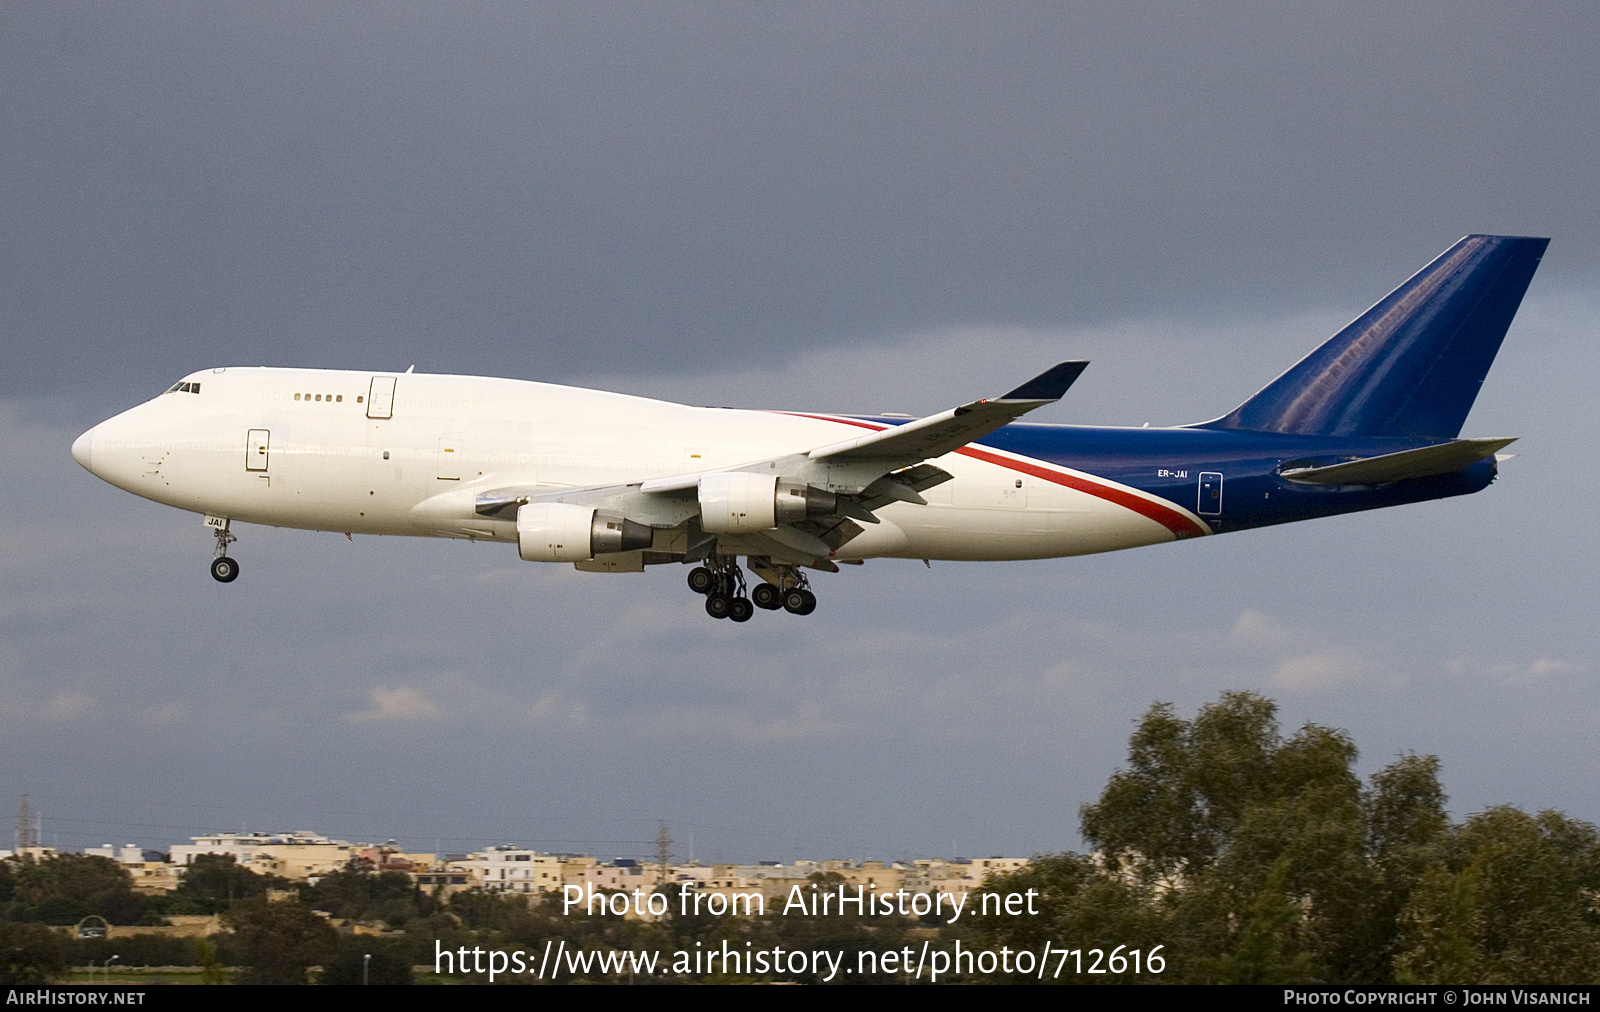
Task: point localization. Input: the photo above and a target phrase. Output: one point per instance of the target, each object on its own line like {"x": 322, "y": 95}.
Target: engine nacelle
{"x": 562, "y": 532}
{"x": 797, "y": 500}
{"x": 738, "y": 502}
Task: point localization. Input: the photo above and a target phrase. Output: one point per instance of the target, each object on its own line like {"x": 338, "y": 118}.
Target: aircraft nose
{"x": 83, "y": 450}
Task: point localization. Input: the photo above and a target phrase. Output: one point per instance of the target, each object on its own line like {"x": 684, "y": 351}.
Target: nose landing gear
{"x": 223, "y": 568}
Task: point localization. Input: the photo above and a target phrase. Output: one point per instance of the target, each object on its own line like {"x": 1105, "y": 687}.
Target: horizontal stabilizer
{"x": 1444, "y": 458}
{"x": 939, "y": 434}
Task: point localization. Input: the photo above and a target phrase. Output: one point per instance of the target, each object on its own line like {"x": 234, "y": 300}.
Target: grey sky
{"x": 557, "y": 189}
{"x": 846, "y": 207}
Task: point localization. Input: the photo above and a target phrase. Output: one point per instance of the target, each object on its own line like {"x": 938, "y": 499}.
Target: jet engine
{"x": 738, "y": 502}
{"x": 562, "y": 532}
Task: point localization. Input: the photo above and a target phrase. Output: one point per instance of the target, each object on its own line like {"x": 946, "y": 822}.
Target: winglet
{"x": 1051, "y": 384}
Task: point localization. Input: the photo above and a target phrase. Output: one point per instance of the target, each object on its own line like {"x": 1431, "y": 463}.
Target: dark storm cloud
{"x": 557, "y": 190}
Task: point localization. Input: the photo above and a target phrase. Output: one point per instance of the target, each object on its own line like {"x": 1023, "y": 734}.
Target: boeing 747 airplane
{"x": 613, "y": 483}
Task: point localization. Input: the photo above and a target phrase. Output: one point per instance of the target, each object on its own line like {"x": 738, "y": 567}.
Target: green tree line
{"x": 1245, "y": 855}
{"x": 1255, "y": 858}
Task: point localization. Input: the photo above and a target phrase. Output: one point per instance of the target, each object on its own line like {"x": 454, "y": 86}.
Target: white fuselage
{"x": 301, "y": 448}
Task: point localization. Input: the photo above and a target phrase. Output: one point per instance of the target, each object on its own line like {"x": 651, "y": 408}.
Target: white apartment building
{"x": 510, "y": 869}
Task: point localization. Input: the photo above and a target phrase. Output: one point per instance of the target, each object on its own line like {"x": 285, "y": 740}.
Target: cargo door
{"x": 449, "y": 458}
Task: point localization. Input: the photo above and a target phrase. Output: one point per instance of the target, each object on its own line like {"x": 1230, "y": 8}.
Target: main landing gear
{"x": 724, "y": 587}
{"x": 223, "y": 568}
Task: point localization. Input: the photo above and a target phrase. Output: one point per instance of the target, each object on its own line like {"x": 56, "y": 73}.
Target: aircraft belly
{"x": 981, "y": 534}
{"x": 884, "y": 539}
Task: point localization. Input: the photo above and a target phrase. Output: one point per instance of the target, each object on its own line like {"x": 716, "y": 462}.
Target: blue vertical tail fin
{"x": 1412, "y": 364}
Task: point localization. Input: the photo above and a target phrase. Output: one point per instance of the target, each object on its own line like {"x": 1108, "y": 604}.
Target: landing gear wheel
{"x": 766, "y": 596}
{"x": 796, "y": 600}
{"x": 740, "y": 609}
{"x": 224, "y": 569}
{"x": 701, "y": 579}
{"x": 719, "y": 605}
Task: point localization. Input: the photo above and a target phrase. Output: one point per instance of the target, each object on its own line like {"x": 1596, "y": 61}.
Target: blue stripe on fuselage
{"x": 1168, "y": 463}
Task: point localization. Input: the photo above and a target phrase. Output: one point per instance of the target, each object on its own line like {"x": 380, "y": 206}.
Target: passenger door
{"x": 255, "y": 450}
{"x": 380, "y": 397}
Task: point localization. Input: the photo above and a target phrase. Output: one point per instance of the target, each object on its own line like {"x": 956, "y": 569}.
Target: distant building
{"x": 510, "y": 869}
{"x": 390, "y": 858}
{"x": 306, "y": 856}
{"x": 296, "y": 855}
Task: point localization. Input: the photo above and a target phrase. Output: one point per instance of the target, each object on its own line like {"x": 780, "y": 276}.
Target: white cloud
{"x": 398, "y": 704}
{"x": 1312, "y": 672}
{"x": 164, "y": 714}
{"x": 1534, "y": 672}
{"x": 551, "y": 709}
{"x": 68, "y": 706}
{"x": 674, "y": 723}
{"x": 1257, "y": 631}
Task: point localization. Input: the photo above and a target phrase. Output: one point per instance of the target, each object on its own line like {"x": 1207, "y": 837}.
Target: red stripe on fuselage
{"x": 1161, "y": 513}
{"x": 1179, "y": 524}
{"x": 830, "y": 418}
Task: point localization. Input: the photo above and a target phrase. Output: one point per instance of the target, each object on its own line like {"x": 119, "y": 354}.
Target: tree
{"x": 30, "y": 953}
{"x": 278, "y": 941}
{"x": 1252, "y": 857}
{"x": 1079, "y": 900}
{"x": 358, "y": 893}
{"x": 1512, "y": 901}
{"x": 212, "y": 881}
{"x": 66, "y": 887}
{"x": 382, "y": 962}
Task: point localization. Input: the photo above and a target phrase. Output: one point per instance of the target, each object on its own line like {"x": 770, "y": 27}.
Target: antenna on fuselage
{"x": 410, "y": 367}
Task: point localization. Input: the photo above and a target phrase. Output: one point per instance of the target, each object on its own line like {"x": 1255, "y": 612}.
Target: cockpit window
{"x": 182, "y": 388}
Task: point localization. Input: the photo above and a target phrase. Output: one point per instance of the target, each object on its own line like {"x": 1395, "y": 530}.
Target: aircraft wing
{"x": 939, "y": 434}
{"x": 863, "y": 474}
{"x": 853, "y": 464}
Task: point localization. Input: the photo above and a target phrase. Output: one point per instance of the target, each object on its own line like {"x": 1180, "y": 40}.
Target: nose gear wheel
{"x": 223, "y": 568}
